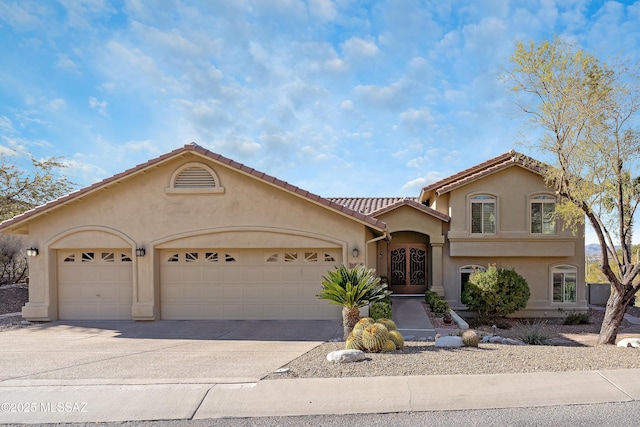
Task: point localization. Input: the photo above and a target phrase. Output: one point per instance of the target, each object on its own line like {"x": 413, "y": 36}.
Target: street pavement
{"x": 134, "y": 371}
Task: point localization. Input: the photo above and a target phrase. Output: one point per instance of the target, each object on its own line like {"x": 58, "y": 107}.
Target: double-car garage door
{"x": 200, "y": 284}
{"x": 245, "y": 284}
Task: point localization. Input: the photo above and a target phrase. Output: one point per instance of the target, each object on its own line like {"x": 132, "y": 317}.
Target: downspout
{"x": 385, "y": 235}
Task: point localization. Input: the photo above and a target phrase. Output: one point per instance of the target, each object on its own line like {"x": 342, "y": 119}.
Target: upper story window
{"x": 194, "y": 178}
{"x": 564, "y": 283}
{"x": 543, "y": 214}
{"x": 483, "y": 214}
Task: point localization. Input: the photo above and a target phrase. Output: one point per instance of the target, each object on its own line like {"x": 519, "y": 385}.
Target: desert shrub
{"x": 380, "y": 310}
{"x": 577, "y": 319}
{"x": 496, "y": 293}
{"x": 533, "y": 333}
{"x": 429, "y": 296}
{"x": 13, "y": 261}
{"x": 440, "y": 307}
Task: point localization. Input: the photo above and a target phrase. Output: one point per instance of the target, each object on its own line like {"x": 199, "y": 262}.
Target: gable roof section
{"x": 491, "y": 166}
{"x": 14, "y": 224}
{"x": 375, "y": 206}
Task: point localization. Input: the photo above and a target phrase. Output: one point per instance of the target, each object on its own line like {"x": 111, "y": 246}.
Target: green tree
{"x": 352, "y": 289}
{"x": 496, "y": 293}
{"x": 23, "y": 189}
{"x": 584, "y": 112}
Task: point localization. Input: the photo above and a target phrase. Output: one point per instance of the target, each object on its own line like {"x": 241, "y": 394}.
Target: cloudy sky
{"x": 340, "y": 97}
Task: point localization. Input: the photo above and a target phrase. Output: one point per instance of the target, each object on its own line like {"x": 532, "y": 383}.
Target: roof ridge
{"x": 194, "y": 147}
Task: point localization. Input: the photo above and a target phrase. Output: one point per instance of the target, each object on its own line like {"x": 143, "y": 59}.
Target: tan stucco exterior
{"x": 241, "y": 209}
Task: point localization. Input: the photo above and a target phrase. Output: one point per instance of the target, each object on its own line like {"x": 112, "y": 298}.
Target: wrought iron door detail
{"x": 417, "y": 266}
{"x": 408, "y": 265}
{"x": 399, "y": 266}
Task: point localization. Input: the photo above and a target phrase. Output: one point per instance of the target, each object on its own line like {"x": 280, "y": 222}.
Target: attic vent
{"x": 193, "y": 178}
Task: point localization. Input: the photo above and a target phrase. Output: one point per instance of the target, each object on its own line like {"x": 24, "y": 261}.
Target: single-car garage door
{"x": 95, "y": 284}
{"x": 256, "y": 284}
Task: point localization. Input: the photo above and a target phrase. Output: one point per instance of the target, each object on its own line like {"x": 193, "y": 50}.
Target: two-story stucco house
{"x": 194, "y": 235}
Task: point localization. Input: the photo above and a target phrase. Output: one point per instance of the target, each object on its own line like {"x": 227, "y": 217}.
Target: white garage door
{"x": 95, "y": 284}
{"x": 245, "y": 284}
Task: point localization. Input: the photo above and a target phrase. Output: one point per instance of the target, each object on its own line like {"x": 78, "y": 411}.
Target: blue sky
{"x": 342, "y": 98}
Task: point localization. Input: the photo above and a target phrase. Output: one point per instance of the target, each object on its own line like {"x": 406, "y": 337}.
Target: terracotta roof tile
{"x": 76, "y": 195}
{"x": 374, "y": 206}
{"x": 483, "y": 169}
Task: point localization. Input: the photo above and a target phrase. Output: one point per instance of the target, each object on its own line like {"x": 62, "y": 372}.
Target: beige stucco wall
{"x": 138, "y": 212}
{"x": 513, "y": 245}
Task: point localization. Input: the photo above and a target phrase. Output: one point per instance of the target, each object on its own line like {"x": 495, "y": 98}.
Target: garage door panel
{"x": 247, "y": 284}
{"x": 94, "y": 284}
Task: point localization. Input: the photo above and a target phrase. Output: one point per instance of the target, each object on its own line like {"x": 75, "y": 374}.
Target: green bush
{"x": 496, "y": 293}
{"x": 577, "y": 319}
{"x": 429, "y": 296}
{"x": 440, "y": 307}
{"x": 380, "y": 310}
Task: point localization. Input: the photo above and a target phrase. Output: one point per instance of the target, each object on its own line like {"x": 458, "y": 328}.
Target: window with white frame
{"x": 483, "y": 214}
{"x": 465, "y": 273}
{"x": 564, "y": 283}
{"x": 543, "y": 214}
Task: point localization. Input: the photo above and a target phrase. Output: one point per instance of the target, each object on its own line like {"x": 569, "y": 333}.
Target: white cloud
{"x": 323, "y": 9}
{"x": 65, "y": 63}
{"x": 418, "y": 184}
{"x": 417, "y": 121}
{"x": 101, "y": 106}
{"x": 357, "y": 47}
{"x": 6, "y": 125}
{"x": 392, "y": 97}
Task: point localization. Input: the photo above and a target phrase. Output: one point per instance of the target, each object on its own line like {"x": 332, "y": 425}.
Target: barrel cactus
{"x": 397, "y": 339}
{"x": 388, "y": 323}
{"x": 374, "y": 337}
{"x": 354, "y": 340}
{"x": 389, "y": 347}
{"x": 470, "y": 338}
{"x": 364, "y": 322}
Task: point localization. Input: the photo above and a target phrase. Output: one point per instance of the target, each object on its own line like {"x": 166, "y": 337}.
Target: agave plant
{"x": 352, "y": 289}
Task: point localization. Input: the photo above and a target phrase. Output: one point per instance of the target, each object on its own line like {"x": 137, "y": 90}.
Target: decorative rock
{"x": 629, "y": 342}
{"x": 409, "y": 337}
{"x": 346, "y": 356}
{"x": 449, "y": 341}
{"x": 497, "y": 339}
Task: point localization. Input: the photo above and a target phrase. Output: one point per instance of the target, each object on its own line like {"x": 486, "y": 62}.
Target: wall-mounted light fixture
{"x": 32, "y": 252}
{"x": 140, "y": 251}
{"x": 355, "y": 252}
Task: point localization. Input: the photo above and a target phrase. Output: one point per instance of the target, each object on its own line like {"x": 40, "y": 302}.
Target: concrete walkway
{"x": 410, "y": 317}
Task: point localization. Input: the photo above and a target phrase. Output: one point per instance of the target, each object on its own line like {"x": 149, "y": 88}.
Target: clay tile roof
{"x": 193, "y": 147}
{"x": 483, "y": 169}
{"x": 375, "y": 206}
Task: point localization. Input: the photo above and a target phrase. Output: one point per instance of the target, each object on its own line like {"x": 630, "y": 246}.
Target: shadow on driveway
{"x": 238, "y": 330}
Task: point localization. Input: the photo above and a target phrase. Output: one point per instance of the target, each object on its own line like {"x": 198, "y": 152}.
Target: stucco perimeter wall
{"x": 139, "y": 212}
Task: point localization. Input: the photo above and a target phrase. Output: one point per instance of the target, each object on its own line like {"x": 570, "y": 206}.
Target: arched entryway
{"x": 407, "y": 263}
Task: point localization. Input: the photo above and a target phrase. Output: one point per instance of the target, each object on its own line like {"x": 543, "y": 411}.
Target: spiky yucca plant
{"x": 352, "y": 288}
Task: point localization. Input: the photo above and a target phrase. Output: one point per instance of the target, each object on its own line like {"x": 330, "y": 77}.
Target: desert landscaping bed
{"x": 575, "y": 349}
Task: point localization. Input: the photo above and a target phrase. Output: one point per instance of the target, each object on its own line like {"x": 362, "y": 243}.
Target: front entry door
{"x": 408, "y": 268}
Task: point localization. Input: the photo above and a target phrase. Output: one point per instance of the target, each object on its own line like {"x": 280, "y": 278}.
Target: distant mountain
{"x": 592, "y": 249}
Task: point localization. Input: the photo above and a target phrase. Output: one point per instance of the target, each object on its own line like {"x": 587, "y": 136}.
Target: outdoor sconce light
{"x": 355, "y": 252}
{"x": 140, "y": 252}
{"x": 32, "y": 252}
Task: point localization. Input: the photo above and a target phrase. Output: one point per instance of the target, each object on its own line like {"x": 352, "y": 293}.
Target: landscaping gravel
{"x": 574, "y": 348}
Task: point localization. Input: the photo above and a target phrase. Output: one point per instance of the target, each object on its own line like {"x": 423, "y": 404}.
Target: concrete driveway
{"x": 155, "y": 352}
